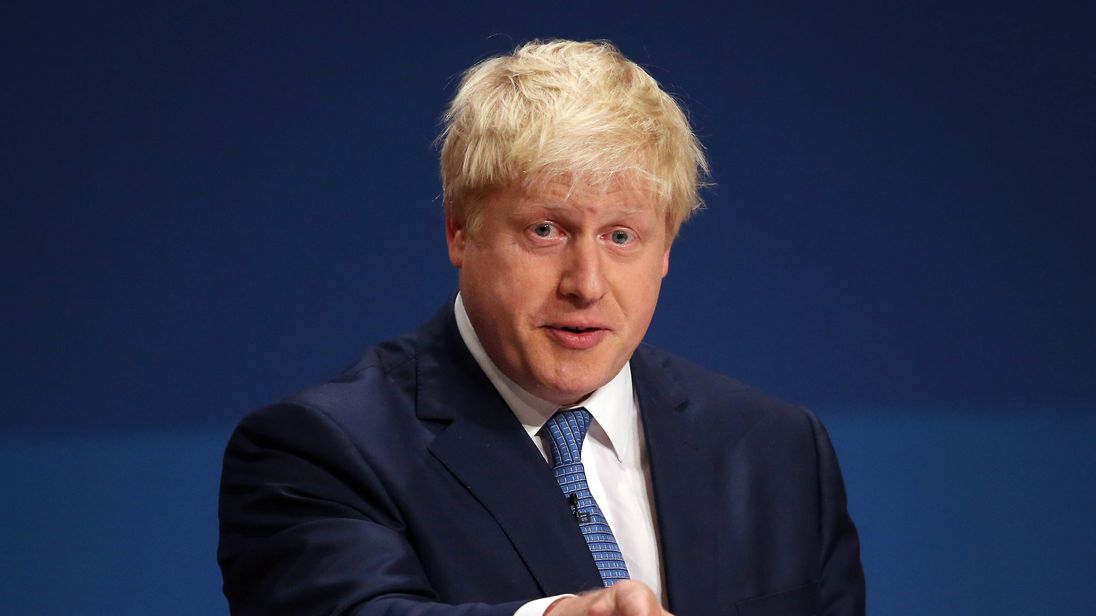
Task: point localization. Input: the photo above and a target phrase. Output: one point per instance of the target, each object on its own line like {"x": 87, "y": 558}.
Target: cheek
{"x": 509, "y": 286}
{"x": 524, "y": 277}
{"x": 645, "y": 279}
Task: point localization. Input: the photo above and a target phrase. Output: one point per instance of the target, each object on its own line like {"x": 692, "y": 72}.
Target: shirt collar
{"x": 613, "y": 406}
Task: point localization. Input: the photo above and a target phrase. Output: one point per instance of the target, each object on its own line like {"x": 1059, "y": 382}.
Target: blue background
{"x": 207, "y": 206}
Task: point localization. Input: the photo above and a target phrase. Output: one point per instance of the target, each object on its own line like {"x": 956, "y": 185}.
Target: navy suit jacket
{"x": 407, "y": 486}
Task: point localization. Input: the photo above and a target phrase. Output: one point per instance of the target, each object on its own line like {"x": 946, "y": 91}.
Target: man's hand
{"x": 625, "y": 598}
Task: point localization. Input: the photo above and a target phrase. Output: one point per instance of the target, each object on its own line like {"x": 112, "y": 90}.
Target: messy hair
{"x": 564, "y": 109}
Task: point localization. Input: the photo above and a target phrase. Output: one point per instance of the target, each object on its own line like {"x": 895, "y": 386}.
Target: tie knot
{"x": 566, "y": 431}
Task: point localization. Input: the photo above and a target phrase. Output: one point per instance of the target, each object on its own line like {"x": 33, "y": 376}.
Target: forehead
{"x": 623, "y": 194}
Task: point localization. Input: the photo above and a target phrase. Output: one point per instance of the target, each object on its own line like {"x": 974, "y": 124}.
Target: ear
{"x": 666, "y": 263}
{"x": 455, "y": 238}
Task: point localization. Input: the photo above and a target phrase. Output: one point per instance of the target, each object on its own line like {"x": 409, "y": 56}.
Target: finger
{"x": 634, "y": 599}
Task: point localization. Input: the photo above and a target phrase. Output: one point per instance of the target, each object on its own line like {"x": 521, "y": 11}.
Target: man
{"x": 523, "y": 452}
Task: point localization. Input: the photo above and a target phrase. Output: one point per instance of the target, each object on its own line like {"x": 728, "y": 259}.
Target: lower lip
{"x": 577, "y": 340}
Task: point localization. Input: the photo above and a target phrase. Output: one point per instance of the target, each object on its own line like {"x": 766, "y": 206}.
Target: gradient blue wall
{"x": 206, "y": 207}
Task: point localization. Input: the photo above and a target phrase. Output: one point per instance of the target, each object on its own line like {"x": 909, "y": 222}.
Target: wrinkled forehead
{"x": 634, "y": 186}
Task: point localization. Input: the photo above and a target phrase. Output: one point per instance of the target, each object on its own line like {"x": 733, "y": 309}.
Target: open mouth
{"x": 577, "y": 337}
{"x": 578, "y": 330}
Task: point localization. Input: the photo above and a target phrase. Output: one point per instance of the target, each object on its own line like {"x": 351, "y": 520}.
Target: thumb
{"x": 627, "y": 598}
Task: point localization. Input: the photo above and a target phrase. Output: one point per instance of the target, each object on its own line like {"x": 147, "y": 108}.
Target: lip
{"x": 576, "y": 341}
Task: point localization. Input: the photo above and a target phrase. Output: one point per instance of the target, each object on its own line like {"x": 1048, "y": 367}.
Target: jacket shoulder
{"x": 717, "y": 395}
{"x": 383, "y": 368}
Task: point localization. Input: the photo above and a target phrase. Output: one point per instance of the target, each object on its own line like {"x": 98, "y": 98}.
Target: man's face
{"x": 561, "y": 282}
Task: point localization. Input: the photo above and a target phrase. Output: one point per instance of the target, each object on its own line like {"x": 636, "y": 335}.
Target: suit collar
{"x": 683, "y": 475}
{"x": 484, "y": 447}
{"x": 612, "y": 405}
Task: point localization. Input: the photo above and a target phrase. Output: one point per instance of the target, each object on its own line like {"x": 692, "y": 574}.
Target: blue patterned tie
{"x": 568, "y": 429}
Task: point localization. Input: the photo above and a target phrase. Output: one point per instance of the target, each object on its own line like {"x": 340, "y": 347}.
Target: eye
{"x": 545, "y": 230}
{"x": 621, "y": 237}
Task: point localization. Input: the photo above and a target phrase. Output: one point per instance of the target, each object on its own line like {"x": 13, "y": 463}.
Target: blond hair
{"x": 554, "y": 109}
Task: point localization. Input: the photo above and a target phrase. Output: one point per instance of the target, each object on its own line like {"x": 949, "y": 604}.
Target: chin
{"x": 565, "y": 382}
{"x": 570, "y": 392}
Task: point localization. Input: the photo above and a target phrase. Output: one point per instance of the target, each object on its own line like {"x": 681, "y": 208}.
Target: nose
{"x": 583, "y": 277}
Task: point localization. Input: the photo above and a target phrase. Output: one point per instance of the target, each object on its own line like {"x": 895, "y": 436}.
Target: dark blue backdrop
{"x": 208, "y": 206}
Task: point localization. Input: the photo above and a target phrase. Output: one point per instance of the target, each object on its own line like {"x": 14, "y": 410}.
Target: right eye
{"x": 545, "y": 230}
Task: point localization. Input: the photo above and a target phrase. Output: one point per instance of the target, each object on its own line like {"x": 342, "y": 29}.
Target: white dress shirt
{"x": 614, "y": 455}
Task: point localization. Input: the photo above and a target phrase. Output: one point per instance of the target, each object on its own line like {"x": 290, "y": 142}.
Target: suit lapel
{"x": 485, "y": 448}
{"x": 683, "y": 474}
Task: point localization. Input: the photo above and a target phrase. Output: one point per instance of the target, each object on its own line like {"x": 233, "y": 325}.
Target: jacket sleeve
{"x": 841, "y": 583}
{"x": 306, "y": 526}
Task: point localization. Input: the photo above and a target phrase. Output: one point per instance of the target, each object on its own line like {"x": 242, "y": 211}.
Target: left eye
{"x": 543, "y": 229}
{"x": 620, "y": 237}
